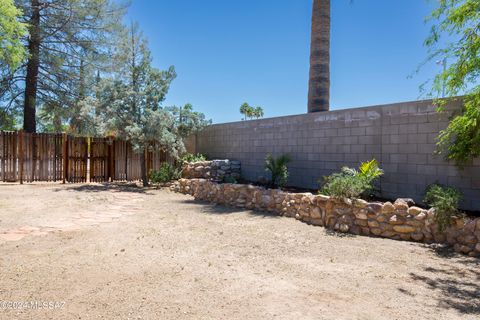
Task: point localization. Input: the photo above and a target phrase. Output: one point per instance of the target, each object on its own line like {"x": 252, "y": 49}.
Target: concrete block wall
{"x": 400, "y": 136}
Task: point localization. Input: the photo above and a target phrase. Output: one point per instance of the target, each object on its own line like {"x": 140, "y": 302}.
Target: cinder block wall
{"x": 400, "y": 136}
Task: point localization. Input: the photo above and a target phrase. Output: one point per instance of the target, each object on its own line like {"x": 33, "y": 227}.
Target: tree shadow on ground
{"x": 457, "y": 284}
{"x": 219, "y": 209}
{"x": 336, "y": 234}
{"x": 115, "y": 187}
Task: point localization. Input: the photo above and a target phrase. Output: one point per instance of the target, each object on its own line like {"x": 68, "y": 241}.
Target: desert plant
{"x": 166, "y": 173}
{"x": 351, "y": 183}
{"x": 278, "y": 169}
{"x": 445, "y": 200}
{"x": 191, "y": 157}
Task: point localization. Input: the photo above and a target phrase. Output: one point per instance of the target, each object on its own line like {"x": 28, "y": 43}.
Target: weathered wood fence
{"x": 29, "y": 157}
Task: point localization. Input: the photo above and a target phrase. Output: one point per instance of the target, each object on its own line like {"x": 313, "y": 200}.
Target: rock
{"x": 414, "y": 210}
{"x": 478, "y": 224}
{"x": 361, "y": 214}
{"x": 388, "y": 234}
{"x": 462, "y": 248}
{"x": 477, "y": 247}
{"x": 403, "y": 229}
{"x": 417, "y": 236}
{"x": 375, "y": 208}
{"x": 470, "y": 239}
{"x": 396, "y": 220}
{"x": 297, "y": 216}
{"x": 459, "y": 223}
{"x": 316, "y": 213}
{"x": 376, "y": 231}
{"x": 362, "y": 223}
{"x": 409, "y": 201}
{"x": 359, "y": 203}
{"x": 421, "y": 216}
{"x": 381, "y": 218}
{"x": 405, "y": 236}
{"x": 388, "y": 208}
{"x": 415, "y": 223}
{"x": 373, "y": 224}
{"x": 401, "y": 205}
{"x": 343, "y": 228}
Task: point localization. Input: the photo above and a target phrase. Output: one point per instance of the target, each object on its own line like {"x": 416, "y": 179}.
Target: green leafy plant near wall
{"x": 166, "y": 173}
{"x": 457, "y": 20}
{"x": 278, "y": 169}
{"x": 351, "y": 183}
{"x": 191, "y": 158}
{"x": 445, "y": 200}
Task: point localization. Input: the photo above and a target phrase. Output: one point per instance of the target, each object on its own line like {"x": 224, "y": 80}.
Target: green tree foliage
{"x": 445, "y": 200}
{"x": 166, "y": 173}
{"x": 12, "y": 54}
{"x": 187, "y": 120}
{"x": 250, "y": 112}
{"x": 278, "y": 169}
{"x": 12, "y": 51}
{"x": 457, "y": 22}
{"x": 69, "y": 40}
{"x": 351, "y": 183}
{"x": 134, "y": 96}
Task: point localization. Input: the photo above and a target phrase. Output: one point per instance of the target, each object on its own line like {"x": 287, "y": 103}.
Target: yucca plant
{"x": 278, "y": 169}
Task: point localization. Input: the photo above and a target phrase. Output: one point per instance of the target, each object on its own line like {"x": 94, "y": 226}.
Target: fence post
{"x": 65, "y": 157}
{"x": 21, "y": 156}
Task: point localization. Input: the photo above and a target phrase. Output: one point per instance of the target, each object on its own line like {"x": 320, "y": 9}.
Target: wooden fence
{"x": 28, "y": 157}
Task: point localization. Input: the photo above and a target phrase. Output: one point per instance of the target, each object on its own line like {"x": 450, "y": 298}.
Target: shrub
{"x": 351, "y": 183}
{"x": 278, "y": 169}
{"x": 166, "y": 173}
{"x": 445, "y": 200}
{"x": 190, "y": 157}
{"x": 230, "y": 179}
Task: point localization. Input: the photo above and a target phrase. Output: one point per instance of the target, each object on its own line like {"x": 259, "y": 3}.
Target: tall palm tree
{"x": 319, "y": 80}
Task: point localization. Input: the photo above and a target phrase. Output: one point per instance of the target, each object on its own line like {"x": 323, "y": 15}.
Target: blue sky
{"x": 257, "y": 51}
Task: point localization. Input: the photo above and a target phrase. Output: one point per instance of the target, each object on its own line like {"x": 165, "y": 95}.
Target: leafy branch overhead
{"x": 457, "y": 22}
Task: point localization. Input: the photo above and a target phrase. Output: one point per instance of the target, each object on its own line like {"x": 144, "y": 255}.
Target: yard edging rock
{"x": 397, "y": 221}
{"x": 217, "y": 170}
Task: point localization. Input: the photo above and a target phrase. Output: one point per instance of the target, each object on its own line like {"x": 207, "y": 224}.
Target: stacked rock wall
{"x": 216, "y": 170}
{"x": 398, "y": 221}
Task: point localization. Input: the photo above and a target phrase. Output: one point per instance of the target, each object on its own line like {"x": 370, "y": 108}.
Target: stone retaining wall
{"x": 401, "y": 137}
{"x": 398, "y": 221}
{"x": 216, "y": 170}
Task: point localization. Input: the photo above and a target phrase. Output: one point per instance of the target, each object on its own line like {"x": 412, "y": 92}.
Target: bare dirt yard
{"x": 119, "y": 252}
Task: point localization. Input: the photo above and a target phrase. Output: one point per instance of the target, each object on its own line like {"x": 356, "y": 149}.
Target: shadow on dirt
{"x": 456, "y": 287}
{"x": 107, "y": 187}
{"x": 220, "y": 209}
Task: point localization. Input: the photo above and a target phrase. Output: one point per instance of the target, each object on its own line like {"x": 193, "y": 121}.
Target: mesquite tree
{"x": 458, "y": 22}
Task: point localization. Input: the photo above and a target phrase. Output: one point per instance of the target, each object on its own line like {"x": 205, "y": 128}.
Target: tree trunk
{"x": 319, "y": 81}
{"x": 143, "y": 168}
{"x": 29, "y": 108}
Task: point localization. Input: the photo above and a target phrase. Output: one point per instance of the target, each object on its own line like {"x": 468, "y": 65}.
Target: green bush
{"x": 351, "y": 183}
{"x": 445, "y": 200}
{"x": 190, "y": 158}
{"x": 166, "y": 173}
{"x": 230, "y": 179}
{"x": 278, "y": 169}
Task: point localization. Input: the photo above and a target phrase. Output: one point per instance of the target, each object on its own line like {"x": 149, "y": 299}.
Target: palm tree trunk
{"x": 319, "y": 81}
{"x": 31, "y": 80}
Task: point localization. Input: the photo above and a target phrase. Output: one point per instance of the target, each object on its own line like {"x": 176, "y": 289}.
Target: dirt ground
{"x": 117, "y": 252}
